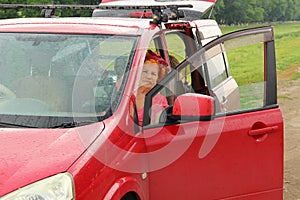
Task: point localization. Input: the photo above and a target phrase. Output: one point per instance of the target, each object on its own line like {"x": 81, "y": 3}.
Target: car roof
{"x": 95, "y": 25}
{"x": 127, "y": 26}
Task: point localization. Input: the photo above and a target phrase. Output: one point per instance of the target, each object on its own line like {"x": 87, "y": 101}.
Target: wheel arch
{"x": 126, "y": 188}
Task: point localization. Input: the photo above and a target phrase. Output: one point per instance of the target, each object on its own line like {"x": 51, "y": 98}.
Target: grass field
{"x": 287, "y": 44}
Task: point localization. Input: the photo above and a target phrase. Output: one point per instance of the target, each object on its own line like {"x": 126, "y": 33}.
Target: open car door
{"x": 230, "y": 147}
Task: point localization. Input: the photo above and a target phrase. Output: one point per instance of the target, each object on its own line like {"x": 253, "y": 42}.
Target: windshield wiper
{"x": 73, "y": 124}
{"x": 13, "y": 125}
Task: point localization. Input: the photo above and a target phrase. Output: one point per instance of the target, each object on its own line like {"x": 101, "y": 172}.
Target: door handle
{"x": 262, "y": 131}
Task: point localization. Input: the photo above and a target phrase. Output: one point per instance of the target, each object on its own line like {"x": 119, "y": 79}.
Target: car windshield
{"x": 48, "y": 80}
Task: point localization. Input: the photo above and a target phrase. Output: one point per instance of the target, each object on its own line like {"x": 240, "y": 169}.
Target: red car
{"x": 69, "y": 119}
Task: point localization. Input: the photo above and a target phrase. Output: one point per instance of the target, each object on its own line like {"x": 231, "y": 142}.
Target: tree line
{"x": 224, "y": 12}
{"x": 12, "y": 13}
{"x": 252, "y": 11}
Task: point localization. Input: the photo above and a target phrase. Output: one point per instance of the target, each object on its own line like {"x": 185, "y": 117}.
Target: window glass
{"x": 183, "y": 81}
{"x": 178, "y": 82}
{"x": 244, "y": 87}
{"x": 247, "y": 68}
{"x": 159, "y": 70}
{"x": 216, "y": 70}
{"x": 61, "y": 75}
{"x": 152, "y": 45}
{"x": 177, "y": 53}
{"x": 176, "y": 46}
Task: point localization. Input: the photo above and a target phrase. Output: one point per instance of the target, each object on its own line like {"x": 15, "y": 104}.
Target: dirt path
{"x": 289, "y": 102}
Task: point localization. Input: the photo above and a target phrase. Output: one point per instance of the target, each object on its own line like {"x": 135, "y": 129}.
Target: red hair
{"x": 154, "y": 58}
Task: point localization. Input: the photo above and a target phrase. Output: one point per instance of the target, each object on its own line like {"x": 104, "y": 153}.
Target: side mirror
{"x": 191, "y": 106}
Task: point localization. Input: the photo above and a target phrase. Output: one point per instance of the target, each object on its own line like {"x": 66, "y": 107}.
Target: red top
{"x": 159, "y": 103}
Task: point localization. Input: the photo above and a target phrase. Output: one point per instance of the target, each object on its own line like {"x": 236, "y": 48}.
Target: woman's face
{"x": 149, "y": 75}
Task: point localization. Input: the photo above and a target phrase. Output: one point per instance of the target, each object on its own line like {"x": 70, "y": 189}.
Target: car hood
{"x": 28, "y": 155}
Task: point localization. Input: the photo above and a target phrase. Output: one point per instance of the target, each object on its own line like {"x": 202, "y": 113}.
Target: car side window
{"x": 247, "y": 68}
{"x": 183, "y": 80}
{"x": 154, "y": 70}
{"x": 175, "y": 41}
{"x": 179, "y": 81}
{"x": 236, "y": 70}
{"x": 179, "y": 47}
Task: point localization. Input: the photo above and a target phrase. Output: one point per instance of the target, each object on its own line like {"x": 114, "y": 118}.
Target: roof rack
{"x": 157, "y": 10}
{"x": 91, "y": 7}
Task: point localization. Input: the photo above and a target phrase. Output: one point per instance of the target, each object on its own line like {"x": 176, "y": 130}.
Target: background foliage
{"x": 225, "y": 11}
{"x": 11, "y": 13}
{"x": 241, "y": 11}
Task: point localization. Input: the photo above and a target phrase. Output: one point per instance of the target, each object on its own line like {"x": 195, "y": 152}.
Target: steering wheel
{"x": 6, "y": 93}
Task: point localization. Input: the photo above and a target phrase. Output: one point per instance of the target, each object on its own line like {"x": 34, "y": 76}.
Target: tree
{"x": 239, "y": 11}
{"x": 218, "y": 12}
{"x": 297, "y": 13}
{"x": 12, "y": 13}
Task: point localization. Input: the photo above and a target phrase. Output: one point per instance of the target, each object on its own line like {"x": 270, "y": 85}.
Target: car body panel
{"x": 101, "y": 171}
{"x": 224, "y": 168}
{"x": 34, "y": 154}
{"x": 75, "y": 25}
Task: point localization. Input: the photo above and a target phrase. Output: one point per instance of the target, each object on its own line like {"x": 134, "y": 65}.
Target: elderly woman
{"x": 154, "y": 69}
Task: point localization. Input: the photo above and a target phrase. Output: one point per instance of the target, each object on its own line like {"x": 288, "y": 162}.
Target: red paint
{"x": 222, "y": 157}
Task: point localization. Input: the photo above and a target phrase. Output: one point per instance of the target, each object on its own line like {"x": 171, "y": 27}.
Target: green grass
{"x": 246, "y": 64}
{"x": 244, "y": 61}
{"x": 284, "y": 97}
{"x": 296, "y": 76}
{"x": 287, "y": 42}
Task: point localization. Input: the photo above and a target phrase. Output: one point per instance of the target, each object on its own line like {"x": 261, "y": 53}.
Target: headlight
{"x": 58, "y": 187}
